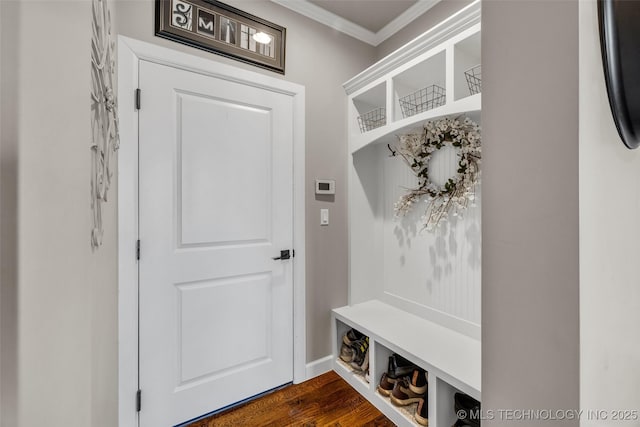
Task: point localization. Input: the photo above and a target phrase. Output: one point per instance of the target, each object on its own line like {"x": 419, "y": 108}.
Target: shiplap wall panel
{"x": 438, "y": 269}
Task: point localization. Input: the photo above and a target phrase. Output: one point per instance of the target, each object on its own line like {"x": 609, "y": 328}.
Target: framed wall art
{"x": 224, "y": 30}
{"x": 619, "y": 34}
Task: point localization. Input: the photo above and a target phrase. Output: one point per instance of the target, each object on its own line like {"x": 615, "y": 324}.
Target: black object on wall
{"x": 620, "y": 44}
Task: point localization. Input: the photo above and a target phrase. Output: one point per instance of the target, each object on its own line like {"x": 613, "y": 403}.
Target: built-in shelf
{"x": 451, "y": 359}
{"x": 466, "y": 56}
{"x": 431, "y": 64}
{"x": 413, "y": 293}
{"x": 469, "y": 106}
{"x": 451, "y": 356}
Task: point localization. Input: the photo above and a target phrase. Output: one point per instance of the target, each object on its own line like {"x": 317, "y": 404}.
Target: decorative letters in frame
{"x": 222, "y": 29}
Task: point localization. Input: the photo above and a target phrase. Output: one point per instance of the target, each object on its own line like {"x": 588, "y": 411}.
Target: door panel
{"x": 201, "y": 329}
{"x": 215, "y": 207}
{"x": 209, "y": 199}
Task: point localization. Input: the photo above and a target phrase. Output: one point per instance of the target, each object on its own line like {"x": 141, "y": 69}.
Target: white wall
{"x": 321, "y": 59}
{"x": 438, "y": 269}
{"x": 609, "y": 243}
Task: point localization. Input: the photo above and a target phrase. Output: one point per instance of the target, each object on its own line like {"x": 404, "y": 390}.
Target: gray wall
{"x": 609, "y": 243}
{"x": 59, "y": 312}
{"x": 8, "y": 215}
{"x": 432, "y": 17}
{"x": 60, "y": 318}
{"x": 321, "y": 59}
{"x": 530, "y": 265}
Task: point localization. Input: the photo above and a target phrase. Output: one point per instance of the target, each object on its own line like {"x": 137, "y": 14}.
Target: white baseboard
{"x": 319, "y": 367}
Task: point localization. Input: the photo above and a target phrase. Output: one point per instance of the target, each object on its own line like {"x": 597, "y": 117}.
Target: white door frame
{"x": 130, "y": 53}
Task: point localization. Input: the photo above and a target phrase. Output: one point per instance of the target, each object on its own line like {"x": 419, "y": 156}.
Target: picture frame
{"x": 619, "y": 33}
{"x": 224, "y": 30}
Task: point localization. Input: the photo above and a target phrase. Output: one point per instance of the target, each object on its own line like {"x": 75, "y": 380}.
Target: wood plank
{"x": 326, "y": 400}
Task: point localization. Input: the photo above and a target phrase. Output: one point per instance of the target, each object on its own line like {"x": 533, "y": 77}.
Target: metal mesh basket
{"x": 474, "y": 79}
{"x": 372, "y": 119}
{"x": 425, "y": 99}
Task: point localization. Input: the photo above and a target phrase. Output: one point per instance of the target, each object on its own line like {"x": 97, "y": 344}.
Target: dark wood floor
{"x": 326, "y": 400}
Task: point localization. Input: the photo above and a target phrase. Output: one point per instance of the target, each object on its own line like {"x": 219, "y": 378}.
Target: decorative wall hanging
{"x": 619, "y": 35}
{"x": 417, "y": 149}
{"x": 219, "y": 28}
{"x": 104, "y": 115}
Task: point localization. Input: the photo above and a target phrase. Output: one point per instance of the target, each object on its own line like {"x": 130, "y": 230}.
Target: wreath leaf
{"x": 416, "y": 150}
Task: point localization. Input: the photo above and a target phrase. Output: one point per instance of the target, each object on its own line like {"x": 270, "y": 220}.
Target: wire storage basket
{"x": 474, "y": 79}
{"x": 372, "y": 119}
{"x": 422, "y": 100}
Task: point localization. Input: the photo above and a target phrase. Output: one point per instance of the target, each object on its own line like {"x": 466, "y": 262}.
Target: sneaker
{"x": 346, "y": 353}
{"x": 418, "y": 383}
{"x": 398, "y": 367}
{"x": 352, "y": 336}
{"x": 364, "y": 366}
{"x": 401, "y": 395}
{"x": 422, "y": 412}
{"x": 360, "y": 353}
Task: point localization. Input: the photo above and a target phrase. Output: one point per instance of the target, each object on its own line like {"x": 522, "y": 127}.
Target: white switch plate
{"x": 324, "y": 216}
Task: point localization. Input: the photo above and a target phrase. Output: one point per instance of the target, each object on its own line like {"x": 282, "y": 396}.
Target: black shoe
{"x": 468, "y": 405}
{"x": 418, "y": 381}
{"x": 422, "y": 412}
{"x": 398, "y": 367}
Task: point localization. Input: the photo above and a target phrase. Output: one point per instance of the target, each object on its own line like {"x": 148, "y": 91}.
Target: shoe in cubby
{"x": 422, "y": 412}
{"x": 418, "y": 382}
{"x": 352, "y": 336}
{"x": 398, "y": 367}
{"x": 346, "y": 353}
{"x": 401, "y": 395}
{"x": 463, "y": 403}
{"x": 360, "y": 359}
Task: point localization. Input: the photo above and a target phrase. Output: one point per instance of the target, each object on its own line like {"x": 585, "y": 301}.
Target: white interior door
{"x": 216, "y": 202}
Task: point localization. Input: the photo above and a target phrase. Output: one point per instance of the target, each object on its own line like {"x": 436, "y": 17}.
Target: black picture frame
{"x": 221, "y": 29}
{"x": 619, "y": 39}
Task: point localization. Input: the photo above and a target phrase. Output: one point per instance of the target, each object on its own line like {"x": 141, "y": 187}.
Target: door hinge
{"x": 138, "y": 91}
{"x": 293, "y": 253}
{"x": 138, "y": 400}
{"x": 138, "y": 249}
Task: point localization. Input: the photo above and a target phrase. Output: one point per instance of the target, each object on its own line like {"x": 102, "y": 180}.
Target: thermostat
{"x": 325, "y": 186}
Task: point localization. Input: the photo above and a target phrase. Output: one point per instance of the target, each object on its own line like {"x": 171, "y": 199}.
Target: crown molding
{"x": 323, "y": 16}
{"x": 456, "y": 23}
{"x": 404, "y": 19}
{"x": 317, "y": 13}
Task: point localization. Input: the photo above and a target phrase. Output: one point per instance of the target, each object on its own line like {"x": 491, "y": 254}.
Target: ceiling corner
{"x": 339, "y": 23}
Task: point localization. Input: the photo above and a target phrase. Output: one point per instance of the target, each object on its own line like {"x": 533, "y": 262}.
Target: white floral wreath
{"x": 454, "y": 196}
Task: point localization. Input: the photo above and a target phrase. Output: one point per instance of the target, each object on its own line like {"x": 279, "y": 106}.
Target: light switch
{"x": 324, "y": 216}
